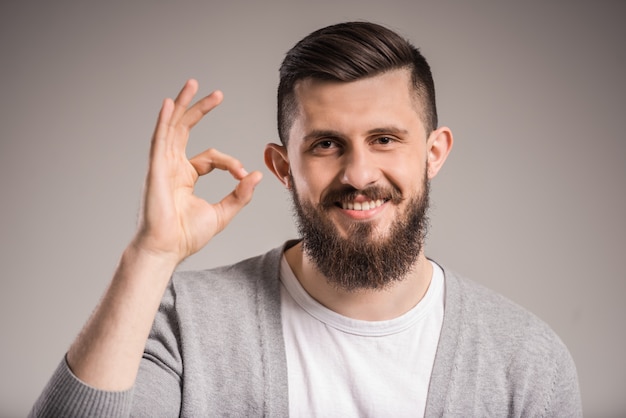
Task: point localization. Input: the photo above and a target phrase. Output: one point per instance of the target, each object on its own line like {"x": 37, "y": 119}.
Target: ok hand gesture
{"x": 174, "y": 223}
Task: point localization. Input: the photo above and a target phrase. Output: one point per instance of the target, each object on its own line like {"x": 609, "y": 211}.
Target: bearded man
{"x": 352, "y": 319}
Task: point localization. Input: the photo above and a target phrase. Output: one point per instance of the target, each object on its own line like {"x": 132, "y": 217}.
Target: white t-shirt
{"x": 343, "y": 367}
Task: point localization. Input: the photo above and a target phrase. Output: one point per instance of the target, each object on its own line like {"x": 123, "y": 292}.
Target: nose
{"x": 359, "y": 168}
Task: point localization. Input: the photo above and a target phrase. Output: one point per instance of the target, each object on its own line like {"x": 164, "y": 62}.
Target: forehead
{"x": 396, "y": 82}
{"x": 369, "y": 103}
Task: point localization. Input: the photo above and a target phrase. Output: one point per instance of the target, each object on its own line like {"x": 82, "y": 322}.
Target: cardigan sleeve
{"x": 156, "y": 392}
{"x": 67, "y": 396}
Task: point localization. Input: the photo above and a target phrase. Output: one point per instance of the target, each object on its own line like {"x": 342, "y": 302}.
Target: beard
{"x": 363, "y": 261}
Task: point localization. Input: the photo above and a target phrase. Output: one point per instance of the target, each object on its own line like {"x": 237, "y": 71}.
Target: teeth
{"x": 372, "y": 204}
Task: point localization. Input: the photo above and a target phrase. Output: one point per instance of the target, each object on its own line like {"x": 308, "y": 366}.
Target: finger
{"x": 210, "y": 159}
{"x": 242, "y": 194}
{"x": 230, "y": 205}
{"x": 195, "y": 113}
{"x": 183, "y": 100}
{"x": 161, "y": 128}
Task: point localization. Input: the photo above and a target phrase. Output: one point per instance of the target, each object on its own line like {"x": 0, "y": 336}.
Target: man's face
{"x": 358, "y": 159}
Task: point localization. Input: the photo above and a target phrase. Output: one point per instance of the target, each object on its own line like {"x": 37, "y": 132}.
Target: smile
{"x": 367, "y": 205}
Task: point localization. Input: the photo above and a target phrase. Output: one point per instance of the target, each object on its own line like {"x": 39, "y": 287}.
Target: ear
{"x": 439, "y": 145}
{"x": 277, "y": 160}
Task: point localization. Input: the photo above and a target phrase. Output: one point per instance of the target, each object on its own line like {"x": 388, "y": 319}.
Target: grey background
{"x": 531, "y": 201}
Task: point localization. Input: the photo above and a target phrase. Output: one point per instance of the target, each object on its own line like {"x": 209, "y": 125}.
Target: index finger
{"x": 211, "y": 158}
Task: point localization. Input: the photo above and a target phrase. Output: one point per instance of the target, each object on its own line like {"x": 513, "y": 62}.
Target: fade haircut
{"x": 347, "y": 52}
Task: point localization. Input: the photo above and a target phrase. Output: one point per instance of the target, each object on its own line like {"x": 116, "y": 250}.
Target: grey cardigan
{"x": 216, "y": 349}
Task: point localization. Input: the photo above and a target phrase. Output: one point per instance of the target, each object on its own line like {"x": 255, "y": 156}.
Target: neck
{"x": 367, "y": 304}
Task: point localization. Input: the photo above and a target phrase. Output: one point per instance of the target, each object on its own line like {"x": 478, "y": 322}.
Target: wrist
{"x": 139, "y": 249}
{"x": 154, "y": 263}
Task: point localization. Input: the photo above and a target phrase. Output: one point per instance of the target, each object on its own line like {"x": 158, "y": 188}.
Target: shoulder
{"x": 498, "y": 325}
{"x": 506, "y": 354}
{"x": 491, "y": 314}
{"x": 226, "y": 291}
{"x": 248, "y": 275}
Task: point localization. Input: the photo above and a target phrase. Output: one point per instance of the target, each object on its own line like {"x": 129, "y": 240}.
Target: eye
{"x": 384, "y": 140}
{"x": 325, "y": 144}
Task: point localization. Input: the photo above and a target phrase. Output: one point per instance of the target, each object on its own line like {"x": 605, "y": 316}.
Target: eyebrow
{"x": 328, "y": 133}
{"x": 388, "y": 130}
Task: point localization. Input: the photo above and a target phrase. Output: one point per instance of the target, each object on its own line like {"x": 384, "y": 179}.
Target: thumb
{"x": 231, "y": 204}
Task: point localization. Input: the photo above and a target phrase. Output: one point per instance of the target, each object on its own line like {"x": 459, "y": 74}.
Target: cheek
{"x": 312, "y": 178}
{"x": 406, "y": 174}
{"x": 307, "y": 183}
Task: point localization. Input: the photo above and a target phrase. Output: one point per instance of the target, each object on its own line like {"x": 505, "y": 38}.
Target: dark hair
{"x": 348, "y": 52}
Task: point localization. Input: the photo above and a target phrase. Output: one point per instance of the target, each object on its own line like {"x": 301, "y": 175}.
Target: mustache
{"x": 349, "y": 193}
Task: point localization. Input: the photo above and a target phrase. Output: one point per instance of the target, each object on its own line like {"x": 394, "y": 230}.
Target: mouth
{"x": 362, "y": 206}
{"x": 363, "y": 203}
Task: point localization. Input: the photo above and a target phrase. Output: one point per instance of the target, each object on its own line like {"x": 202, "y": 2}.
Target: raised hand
{"x": 174, "y": 222}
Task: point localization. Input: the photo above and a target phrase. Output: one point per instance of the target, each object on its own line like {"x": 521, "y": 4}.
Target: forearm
{"x": 107, "y": 352}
